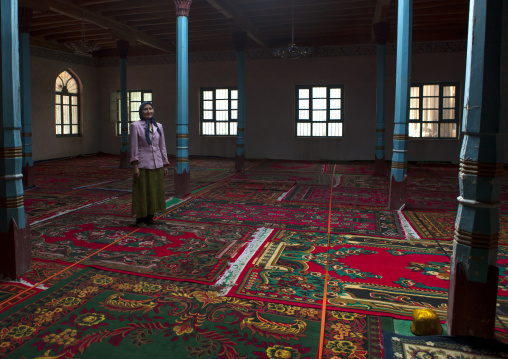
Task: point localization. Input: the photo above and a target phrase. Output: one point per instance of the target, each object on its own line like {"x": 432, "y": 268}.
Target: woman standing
{"x": 150, "y": 162}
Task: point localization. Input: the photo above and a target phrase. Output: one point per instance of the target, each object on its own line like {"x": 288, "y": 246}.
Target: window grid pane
{"x": 433, "y": 111}
{"x": 134, "y": 99}
{"x": 319, "y": 111}
{"x": 66, "y": 105}
{"x": 219, "y": 111}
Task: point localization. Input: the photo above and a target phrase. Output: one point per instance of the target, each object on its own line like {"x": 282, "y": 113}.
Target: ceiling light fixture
{"x": 292, "y": 51}
{"x": 82, "y": 47}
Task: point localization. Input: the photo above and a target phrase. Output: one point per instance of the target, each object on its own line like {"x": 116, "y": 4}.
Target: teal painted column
{"x": 239, "y": 38}
{"x": 24, "y": 19}
{"x": 182, "y": 171}
{"x": 381, "y": 31}
{"x": 474, "y": 275}
{"x": 14, "y": 229}
{"x": 123, "y": 49}
{"x": 398, "y": 177}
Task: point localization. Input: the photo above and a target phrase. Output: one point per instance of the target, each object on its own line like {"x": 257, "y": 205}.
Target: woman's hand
{"x": 165, "y": 171}
{"x": 136, "y": 171}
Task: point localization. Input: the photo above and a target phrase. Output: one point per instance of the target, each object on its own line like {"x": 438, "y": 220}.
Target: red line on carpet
{"x": 119, "y": 239}
{"x": 325, "y": 290}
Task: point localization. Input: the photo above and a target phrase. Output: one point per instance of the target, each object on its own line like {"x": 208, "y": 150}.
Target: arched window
{"x": 67, "y": 119}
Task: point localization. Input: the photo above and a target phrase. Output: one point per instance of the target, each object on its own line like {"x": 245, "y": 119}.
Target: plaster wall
{"x": 45, "y": 144}
{"x": 270, "y": 105}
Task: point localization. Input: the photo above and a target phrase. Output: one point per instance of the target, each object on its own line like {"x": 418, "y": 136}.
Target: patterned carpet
{"x": 105, "y": 314}
{"x": 235, "y": 270}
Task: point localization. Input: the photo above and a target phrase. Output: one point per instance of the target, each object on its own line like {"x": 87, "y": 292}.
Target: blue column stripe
{"x": 403, "y": 83}
{"x": 182, "y": 102}
{"x": 11, "y": 185}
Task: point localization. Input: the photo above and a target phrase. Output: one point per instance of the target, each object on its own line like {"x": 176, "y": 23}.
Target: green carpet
{"x": 98, "y": 314}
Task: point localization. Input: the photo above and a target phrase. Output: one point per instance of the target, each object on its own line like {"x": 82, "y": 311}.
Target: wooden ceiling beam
{"x": 230, "y": 11}
{"x": 122, "y": 31}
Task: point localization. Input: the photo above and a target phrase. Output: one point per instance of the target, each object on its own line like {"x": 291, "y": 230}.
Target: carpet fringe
{"x": 27, "y": 283}
{"x": 231, "y": 274}
{"x": 409, "y": 232}
{"x": 285, "y": 194}
{"x": 338, "y": 178}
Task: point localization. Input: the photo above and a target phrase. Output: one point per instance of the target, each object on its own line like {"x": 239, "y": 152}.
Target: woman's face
{"x": 147, "y": 111}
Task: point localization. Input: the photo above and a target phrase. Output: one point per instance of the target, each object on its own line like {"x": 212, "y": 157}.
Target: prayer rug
{"x": 289, "y": 166}
{"x": 39, "y": 206}
{"x": 126, "y": 185}
{"x": 72, "y": 169}
{"x": 120, "y": 206}
{"x": 292, "y": 177}
{"x": 366, "y": 168}
{"x": 14, "y": 292}
{"x": 441, "y": 347}
{"x": 41, "y": 270}
{"x": 198, "y": 176}
{"x": 251, "y": 191}
{"x": 429, "y": 224}
{"x": 340, "y": 195}
{"x": 97, "y": 314}
{"x": 441, "y": 170}
{"x": 432, "y": 200}
{"x": 60, "y": 184}
{"x": 433, "y": 184}
{"x": 289, "y": 216}
{"x": 181, "y": 251}
{"x": 362, "y": 181}
{"x": 200, "y": 162}
{"x": 366, "y": 274}
{"x": 440, "y": 225}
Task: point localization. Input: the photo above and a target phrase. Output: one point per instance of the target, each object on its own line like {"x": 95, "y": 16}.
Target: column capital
{"x": 25, "y": 15}
{"x": 381, "y": 31}
{"x": 123, "y": 48}
{"x": 239, "y": 38}
{"x": 182, "y": 7}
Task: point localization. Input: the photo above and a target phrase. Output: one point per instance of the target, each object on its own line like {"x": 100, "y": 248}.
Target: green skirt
{"x": 148, "y": 194}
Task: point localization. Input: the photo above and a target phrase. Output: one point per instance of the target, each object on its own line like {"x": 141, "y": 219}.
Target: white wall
{"x": 270, "y": 105}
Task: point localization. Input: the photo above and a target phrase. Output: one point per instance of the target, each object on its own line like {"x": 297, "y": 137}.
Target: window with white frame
{"x": 434, "y": 111}
{"x": 219, "y": 111}
{"x": 319, "y": 111}
{"x": 67, "y": 112}
{"x": 134, "y": 100}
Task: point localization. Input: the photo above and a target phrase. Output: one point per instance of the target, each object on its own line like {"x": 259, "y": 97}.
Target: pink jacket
{"x": 148, "y": 156}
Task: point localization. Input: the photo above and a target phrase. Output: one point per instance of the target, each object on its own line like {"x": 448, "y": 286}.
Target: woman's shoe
{"x": 141, "y": 224}
{"x": 151, "y": 222}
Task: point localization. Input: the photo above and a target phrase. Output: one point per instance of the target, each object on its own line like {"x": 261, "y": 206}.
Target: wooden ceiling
{"x": 150, "y": 25}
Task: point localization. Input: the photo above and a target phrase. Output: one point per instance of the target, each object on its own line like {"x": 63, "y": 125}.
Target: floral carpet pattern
{"x": 290, "y": 216}
{"x": 237, "y": 268}
{"x": 180, "y": 251}
{"x": 105, "y": 314}
{"x": 367, "y": 274}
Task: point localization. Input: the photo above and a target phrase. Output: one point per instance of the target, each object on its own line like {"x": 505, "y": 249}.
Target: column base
{"x": 124, "y": 159}
{"x": 15, "y": 253}
{"x": 398, "y": 193}
{"x": 28, "y": 176}
{"x": 379, "y": 166}
{"x": 239, "y": 162}
{"x": 182, "y": 184}
{"x": 472, "y": 305}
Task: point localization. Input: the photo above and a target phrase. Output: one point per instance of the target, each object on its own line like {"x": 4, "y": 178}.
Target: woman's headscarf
{"x": 147, "y": 122}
